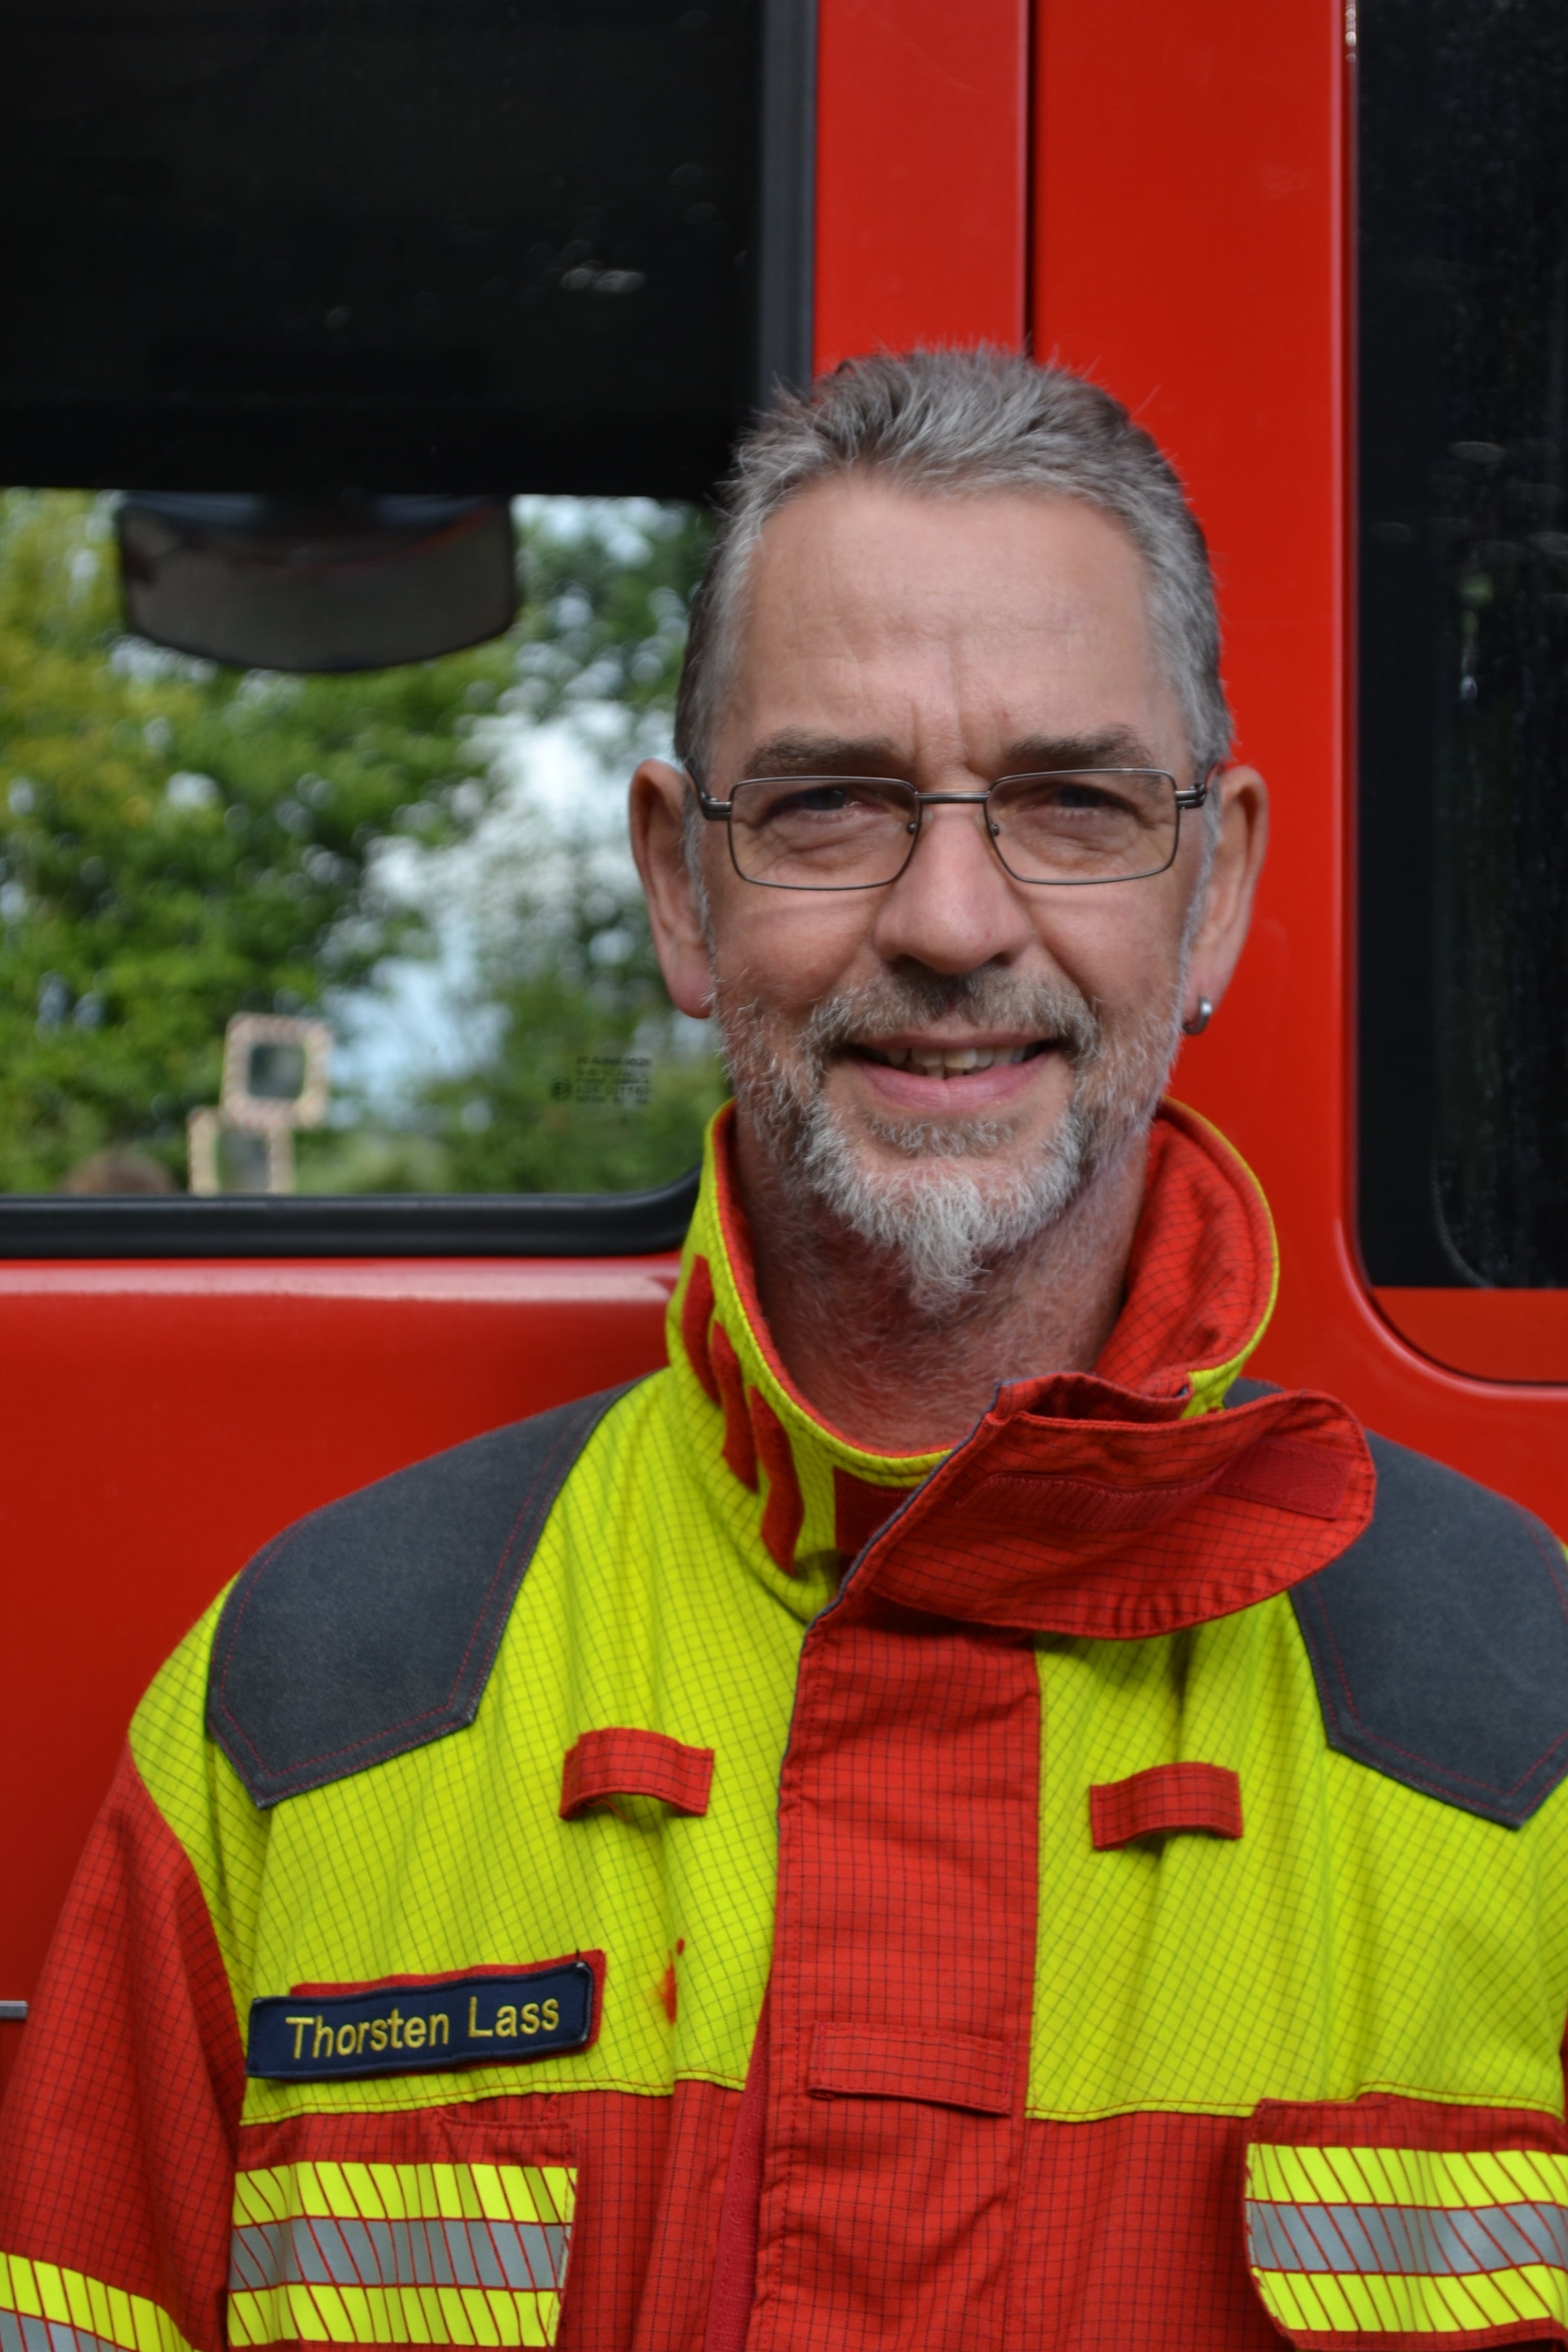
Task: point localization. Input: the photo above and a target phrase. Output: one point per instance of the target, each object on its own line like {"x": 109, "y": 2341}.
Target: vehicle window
{"x": 415, "y": 248}
{"x": 1463, "y": 643}
{"x": 357, "y": 934}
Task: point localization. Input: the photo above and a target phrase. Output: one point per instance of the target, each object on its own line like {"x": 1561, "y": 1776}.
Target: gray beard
{"x": 946, "y": 1220}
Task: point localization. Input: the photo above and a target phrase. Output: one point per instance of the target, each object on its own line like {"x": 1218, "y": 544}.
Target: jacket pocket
{"x": 1401, "y": 2222}
{"x": 442, "y": 2226}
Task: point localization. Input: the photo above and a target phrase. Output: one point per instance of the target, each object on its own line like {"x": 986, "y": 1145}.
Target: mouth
{"x": 936, "y": 1061}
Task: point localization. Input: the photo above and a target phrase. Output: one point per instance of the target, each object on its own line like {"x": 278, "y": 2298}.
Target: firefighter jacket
{"x": 660, "y": 1878}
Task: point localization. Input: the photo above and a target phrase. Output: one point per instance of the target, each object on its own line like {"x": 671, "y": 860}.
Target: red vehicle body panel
{"x": 1192, "y": 249}
{"x": 922, "y": 174}
{"x": 1158, "y": 196}
{"x": 162, "y": 1421}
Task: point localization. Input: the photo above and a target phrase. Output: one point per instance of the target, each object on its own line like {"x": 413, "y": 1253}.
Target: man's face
{"x": 955, "y": 1036}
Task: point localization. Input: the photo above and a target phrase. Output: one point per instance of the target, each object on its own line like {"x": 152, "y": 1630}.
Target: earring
{"x": 1200, "y": 1019}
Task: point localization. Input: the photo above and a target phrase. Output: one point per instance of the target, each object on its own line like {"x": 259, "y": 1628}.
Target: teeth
{"x": 948, "y": 1061}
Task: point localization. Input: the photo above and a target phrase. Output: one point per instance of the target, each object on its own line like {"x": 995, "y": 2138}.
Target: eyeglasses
{"x": 1071, "y": 827}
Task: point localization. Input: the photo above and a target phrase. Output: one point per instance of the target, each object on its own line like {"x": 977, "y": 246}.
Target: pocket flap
{"x": 950, "y": 2070}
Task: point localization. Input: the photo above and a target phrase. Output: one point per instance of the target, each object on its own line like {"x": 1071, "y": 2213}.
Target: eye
{"x": 1073, "y": 793}
{"x": 819, "y": 801}
{"x": 1081, "y": 800}
{"x": 814, "y": 800}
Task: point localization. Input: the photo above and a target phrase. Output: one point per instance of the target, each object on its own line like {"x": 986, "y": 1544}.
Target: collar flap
{"x": 1080, "y": 1509}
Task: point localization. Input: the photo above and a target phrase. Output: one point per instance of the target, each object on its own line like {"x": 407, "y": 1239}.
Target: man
{"x": 944, "y": 1819}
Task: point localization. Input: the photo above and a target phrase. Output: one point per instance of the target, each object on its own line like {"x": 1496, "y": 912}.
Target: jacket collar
{"x": 1116, "y": 1504}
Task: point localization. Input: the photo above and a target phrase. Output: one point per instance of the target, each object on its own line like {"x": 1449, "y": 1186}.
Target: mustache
{"x": 894, "y": 1001}
{"x": 953, "y": 1209}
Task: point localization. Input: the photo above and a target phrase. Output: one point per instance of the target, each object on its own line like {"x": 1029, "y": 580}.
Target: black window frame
{"x": 348, "y": 1225}
{"x": 1425, "y": 1034}
{"x": 241, "y": 1226}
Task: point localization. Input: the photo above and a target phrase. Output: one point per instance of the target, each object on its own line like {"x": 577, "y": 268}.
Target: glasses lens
{"x": 822, "y": 833}
{"x": 1107, "y": 825}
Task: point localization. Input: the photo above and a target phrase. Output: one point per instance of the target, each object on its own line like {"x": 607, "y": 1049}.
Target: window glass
{"x": 245, "y": 244}
{"x": 402, "y": 900}
{"x": 1464, "y": 641}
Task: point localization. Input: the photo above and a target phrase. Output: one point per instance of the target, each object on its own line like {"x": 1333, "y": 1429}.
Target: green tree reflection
{"x": 181, "y": 842}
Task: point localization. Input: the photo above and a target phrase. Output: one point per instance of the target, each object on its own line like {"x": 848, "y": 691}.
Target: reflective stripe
{"x": 1316, "y": 2309}
{"x": 392, "y": 2314}
{"x": 1358, "y": 2243}
{"x": 1405, "y": 2176}
{"x": 46, "y": 2309}
{"x": 399, "y": 2254}
{"x": 408, "y": 2193}
{"x": 1408, "y": 2239}
{"x": 27, "y": 2335}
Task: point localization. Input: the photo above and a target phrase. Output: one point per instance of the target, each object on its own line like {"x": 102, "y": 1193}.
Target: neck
{"x": 895, "y": 1381}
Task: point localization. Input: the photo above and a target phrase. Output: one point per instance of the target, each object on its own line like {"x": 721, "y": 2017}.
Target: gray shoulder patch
{"x": 1439, "y": 1641}
{"x": 371, "y": 1627}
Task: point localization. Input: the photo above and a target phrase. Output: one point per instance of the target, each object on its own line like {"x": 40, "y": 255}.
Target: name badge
{"x": 493, "y": 2018}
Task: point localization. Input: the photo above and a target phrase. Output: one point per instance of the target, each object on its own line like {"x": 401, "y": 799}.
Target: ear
{"x": 1232, "y": 883}
{"x": 657, "y": 814}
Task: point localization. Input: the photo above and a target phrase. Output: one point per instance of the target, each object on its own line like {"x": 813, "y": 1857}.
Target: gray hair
{"x": 948, "y": 423}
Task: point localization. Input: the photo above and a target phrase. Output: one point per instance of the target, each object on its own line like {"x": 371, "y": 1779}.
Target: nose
{"x": 954, "y": 906}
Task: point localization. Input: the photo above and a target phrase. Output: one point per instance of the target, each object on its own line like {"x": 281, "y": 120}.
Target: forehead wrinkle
{"x": 848, "y": 624}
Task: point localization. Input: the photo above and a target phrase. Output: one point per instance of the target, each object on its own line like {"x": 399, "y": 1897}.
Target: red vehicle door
{"x": 1163, "y": 198}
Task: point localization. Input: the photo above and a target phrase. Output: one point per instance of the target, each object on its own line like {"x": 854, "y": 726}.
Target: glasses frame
{"x": 1188, "y": 796}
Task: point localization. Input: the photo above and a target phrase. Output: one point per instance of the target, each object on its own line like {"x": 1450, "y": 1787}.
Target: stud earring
{"x": 1200, "y": 1019}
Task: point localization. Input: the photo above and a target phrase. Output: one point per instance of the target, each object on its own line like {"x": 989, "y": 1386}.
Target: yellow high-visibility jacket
{"x": 660, "y": 1878}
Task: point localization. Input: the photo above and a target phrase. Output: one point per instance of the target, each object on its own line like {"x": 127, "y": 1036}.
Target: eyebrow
{"x": 797, "y": 753}
{"x": 1117, "y": 747}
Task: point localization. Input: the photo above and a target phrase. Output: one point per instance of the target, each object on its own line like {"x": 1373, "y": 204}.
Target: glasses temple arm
{"x": 715, "y": 811}
{"x": 1197, "y": 795}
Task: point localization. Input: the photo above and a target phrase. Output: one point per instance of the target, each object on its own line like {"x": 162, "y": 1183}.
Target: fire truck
{"x": 1321, "y": 252}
